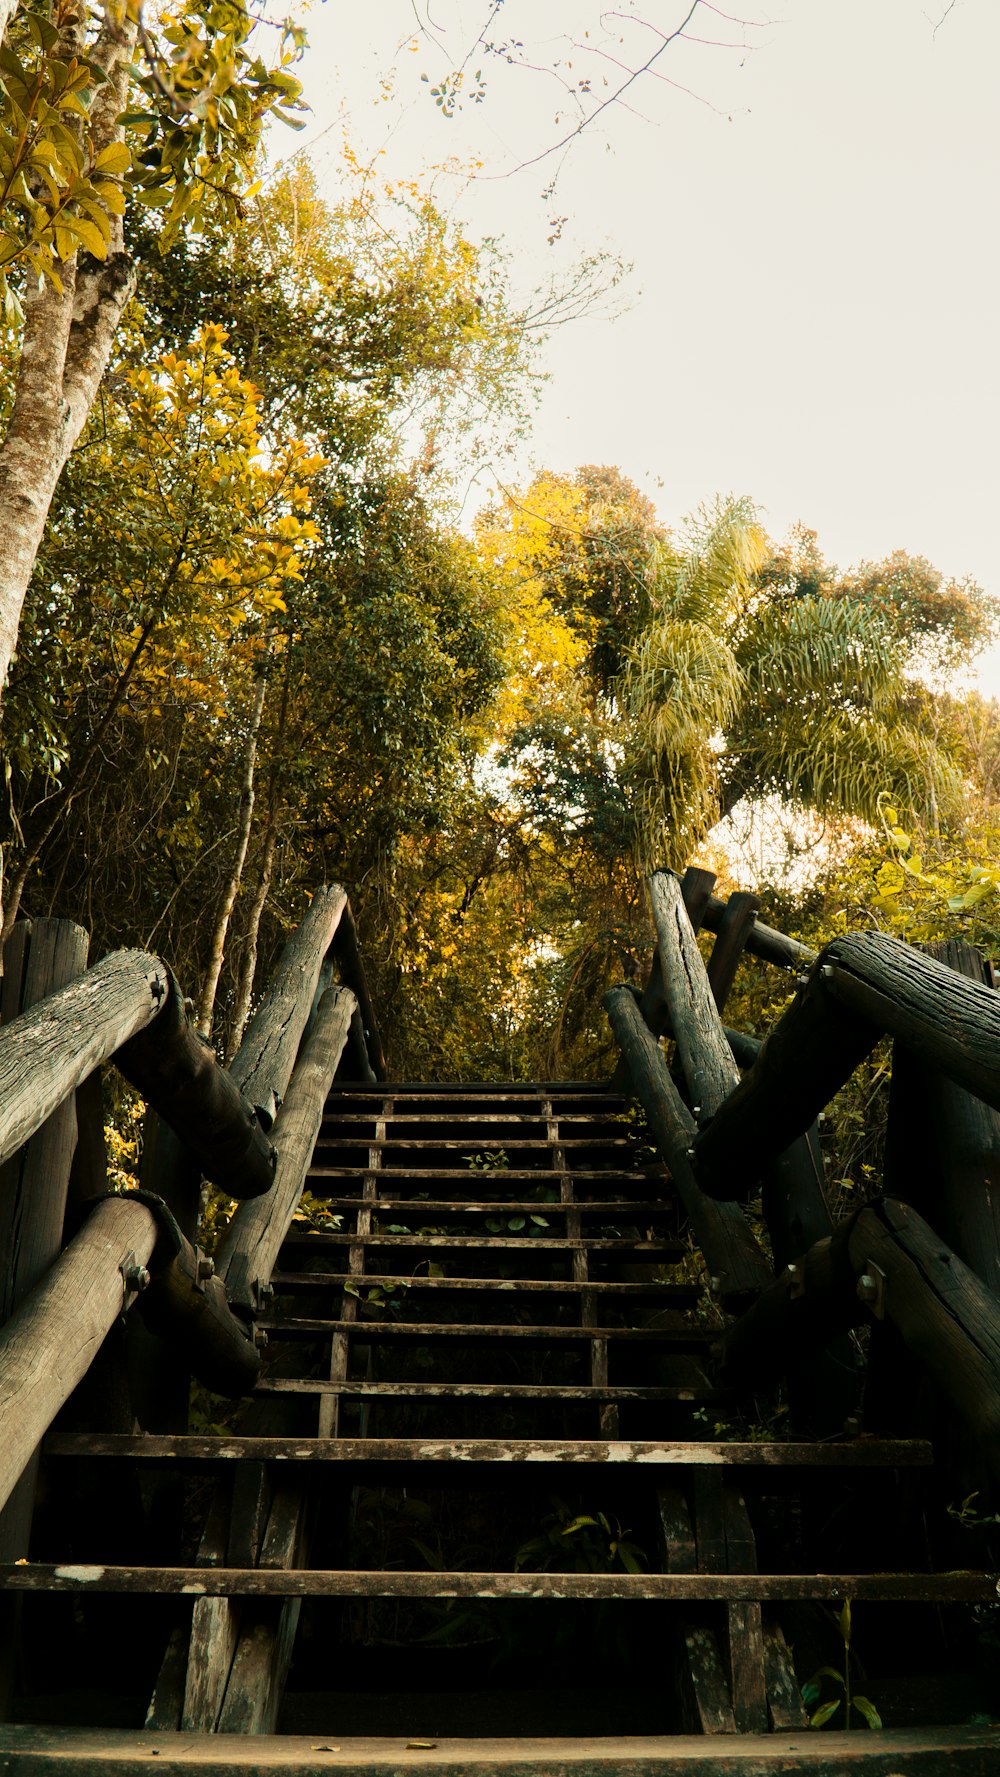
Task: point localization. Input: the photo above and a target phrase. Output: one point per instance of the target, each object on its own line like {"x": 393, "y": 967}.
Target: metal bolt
{"x": 265, "y": 1292}
{"x": 715, "y": 1287}
{"x": 867, "y": 1287}
{"x": 136, "y": 1277}
{"x": 206, "y": 1268}
{"x": 827, "y": 971}
{"x": 259, "y": 1338}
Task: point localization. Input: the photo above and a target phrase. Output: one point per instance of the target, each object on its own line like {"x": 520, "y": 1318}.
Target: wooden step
{"x": 858, "y": 1453}
{"x": 264, "y": 1582}
{"x": 663, "y": 1294}
{"x": 78, "y": 1752}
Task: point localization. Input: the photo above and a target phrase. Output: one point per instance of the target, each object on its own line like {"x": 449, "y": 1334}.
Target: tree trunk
{"x": 68, "y": 336}
{"x": 207, "y": 1008}
{"x": 248, "y": 964}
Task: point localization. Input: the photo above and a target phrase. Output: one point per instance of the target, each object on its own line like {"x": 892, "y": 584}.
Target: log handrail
{"x": 721, "y": 1230}
{"x": 249, "y": 1248}
{"x": 129, "y": 1009}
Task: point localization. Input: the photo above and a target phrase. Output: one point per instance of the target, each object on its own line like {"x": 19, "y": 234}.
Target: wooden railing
{"x": 250, "y": 1130}
{"x": 725, "y": 1135}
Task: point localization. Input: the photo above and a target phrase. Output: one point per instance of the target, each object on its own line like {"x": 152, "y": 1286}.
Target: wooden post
{"x": 48, "y": 1343}
{"x": 696, "y": 888}
{"x": 707, "y": 1060}
{"x": 249, "y": 1247}
{"x": 352, "y": 975}
{"x": 262, "y": 1066}
{"x": 177, "y": 1073}
{"x": 732, "y": 939}
{"x": 722, "y": 1232}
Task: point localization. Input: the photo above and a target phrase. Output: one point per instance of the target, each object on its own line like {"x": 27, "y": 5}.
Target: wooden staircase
{"x": 488, "y": 1508}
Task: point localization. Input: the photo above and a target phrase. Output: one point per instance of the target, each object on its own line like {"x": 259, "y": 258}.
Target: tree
{"x": 746, "y": 683}
{"x": 72, "y": 154}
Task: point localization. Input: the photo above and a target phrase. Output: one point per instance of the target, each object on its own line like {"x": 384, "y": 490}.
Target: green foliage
{"x": 579, "y": 1542}
{"x": 201, "y": 94}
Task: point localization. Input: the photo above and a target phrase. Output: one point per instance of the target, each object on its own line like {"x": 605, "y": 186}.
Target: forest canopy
{"x": 263, "y": 641}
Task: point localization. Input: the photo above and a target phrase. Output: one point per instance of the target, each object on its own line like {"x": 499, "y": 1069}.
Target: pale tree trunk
{"x": 67, "y": 342}
{"x": 248, "y": 962}
{"x": 217, "y": 951}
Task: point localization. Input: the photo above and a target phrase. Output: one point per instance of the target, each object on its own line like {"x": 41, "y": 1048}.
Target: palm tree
{"x": 737, "y": 686}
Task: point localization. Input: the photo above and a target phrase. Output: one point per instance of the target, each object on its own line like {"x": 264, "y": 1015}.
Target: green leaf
{"x": 113, "y": 160}
{"x": 824, "y": 1713}
{"x": 868, "y": 1710}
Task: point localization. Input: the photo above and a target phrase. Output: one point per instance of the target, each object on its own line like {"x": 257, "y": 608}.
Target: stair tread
{"x": 127, "y": 1753}
{"x": 855, "y": 1453}
{"x": 963, "y": 1585}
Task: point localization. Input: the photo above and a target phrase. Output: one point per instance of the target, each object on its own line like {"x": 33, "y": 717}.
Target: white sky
{"x": 813, "y": 313}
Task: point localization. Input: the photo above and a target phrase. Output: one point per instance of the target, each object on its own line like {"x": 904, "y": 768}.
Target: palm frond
{"x": 708, "y": 578}
{"x": 822, "y": 645}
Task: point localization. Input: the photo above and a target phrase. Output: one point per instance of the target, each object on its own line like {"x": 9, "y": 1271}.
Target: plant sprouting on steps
{"x": 812, "y": 1690}
{"x": 579, "y": 1543}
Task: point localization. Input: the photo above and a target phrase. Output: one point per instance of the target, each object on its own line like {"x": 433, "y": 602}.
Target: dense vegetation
{"x": 258, "y": 649}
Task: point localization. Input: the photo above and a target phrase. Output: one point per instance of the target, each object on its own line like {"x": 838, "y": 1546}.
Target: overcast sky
{"x": 813, "y": 313}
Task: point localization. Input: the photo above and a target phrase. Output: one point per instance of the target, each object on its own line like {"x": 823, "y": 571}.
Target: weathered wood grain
{"x": 49, "y": 1342}
{"x": 250, "y": 1245}
{"x": 709, "y": 1068}
{"x": 47, "y": 1051}
{"x": 264, "y": 1061}
{"x": 731, "y": 1252}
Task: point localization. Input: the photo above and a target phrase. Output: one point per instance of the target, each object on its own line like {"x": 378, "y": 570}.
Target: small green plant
{"x": 969, "y": 1516}
{"x": 378, "y": 1298}
{"x": 516, "y": 1224}
{"x": 579, "y": 1543}
{"x": 489, "y": 1160}
{"x": 811, "y": 1692}
{"x": 315, "y": 1212}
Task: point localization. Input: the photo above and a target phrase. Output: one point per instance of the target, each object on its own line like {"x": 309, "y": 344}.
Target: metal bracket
{"x": 135, "y": 1277}
{"x": 872, "y": 1288}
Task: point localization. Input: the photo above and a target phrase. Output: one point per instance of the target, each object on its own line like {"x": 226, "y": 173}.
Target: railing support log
{"x": 732, "y": 938}
{"x": 262, "y": 1066}
{"x": 860, "y": 986}
{"x": 352, "y": 974}
{"x": 721, "y": 1230}
{"x": 250, "y": 1245}
{"x": 177, "y": 1073}
{"x": 696, "y": 888}
{"x": 762, "y": 940}
{"x": 804, "y": 1061}
{"x": 49, "y": 1050}
{"x": 943, "y": 1144}
{"x": 706, "y": 1058}
{"x": 48, "y": 1344}
{"x": 806, "y": 1307}
{"x": 889, "y": 1262}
